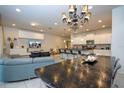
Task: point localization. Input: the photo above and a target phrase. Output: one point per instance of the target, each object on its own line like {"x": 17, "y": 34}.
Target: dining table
{"x": 77, "y": 73}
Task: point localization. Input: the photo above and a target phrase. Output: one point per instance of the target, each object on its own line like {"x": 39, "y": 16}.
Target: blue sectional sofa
{"x": 1, "y": 69}
{"x": 22, "y": 68}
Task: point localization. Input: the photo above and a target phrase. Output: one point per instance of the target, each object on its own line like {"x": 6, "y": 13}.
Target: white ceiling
{"x": 47, "y": 15}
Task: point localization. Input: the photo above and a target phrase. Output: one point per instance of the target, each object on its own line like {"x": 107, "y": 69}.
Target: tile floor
{"x": 119, "y": 80}
{"x": 38, "y": 83}
{"x": 33, "y": 83}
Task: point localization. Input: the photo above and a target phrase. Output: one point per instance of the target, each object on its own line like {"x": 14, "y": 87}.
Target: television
{"x": 34, "y": 44}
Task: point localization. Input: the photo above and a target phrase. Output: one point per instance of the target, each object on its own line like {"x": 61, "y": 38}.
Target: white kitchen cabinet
{"x": 30, "y": 35}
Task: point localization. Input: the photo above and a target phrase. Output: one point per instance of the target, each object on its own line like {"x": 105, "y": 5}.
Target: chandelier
{"x": 73, "y": 19}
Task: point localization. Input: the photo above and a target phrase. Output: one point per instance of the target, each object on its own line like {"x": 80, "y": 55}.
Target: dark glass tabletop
{"x": 77, "y": 74}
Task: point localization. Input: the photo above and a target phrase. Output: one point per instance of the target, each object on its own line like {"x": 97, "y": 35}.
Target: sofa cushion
{"x": 17, "y": 61}
{"x": 1, "y": 61}
{"x": 43, "y": 59}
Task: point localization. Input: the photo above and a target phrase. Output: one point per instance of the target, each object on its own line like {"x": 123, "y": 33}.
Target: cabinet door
{"x": 104, "y": 38}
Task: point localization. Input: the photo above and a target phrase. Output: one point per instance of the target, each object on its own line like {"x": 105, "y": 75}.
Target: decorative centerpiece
{"x": 91, "y": 58}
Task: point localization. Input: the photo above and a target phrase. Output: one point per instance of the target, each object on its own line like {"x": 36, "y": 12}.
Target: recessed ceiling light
{"x": 103, "y": 26}
{"x": 71, "y": 40}
{"x": 13, "y": 24}
{"x": 18, "y": 10}
{"x": 55, "y": 24}
{"x": 32, "y": 24}
{"x": 99, "y": 21}
{"x": 82, "y": 39}
{"x": 90, "y": 7}
{"x": 87, "y": 29}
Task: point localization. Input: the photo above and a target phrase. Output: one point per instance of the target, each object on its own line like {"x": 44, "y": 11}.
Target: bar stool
{"x": 62, "y": 51}
{"x": 68, "y": 53}
{"x": 75, "y": 53}
{"x": 86, "y": 53}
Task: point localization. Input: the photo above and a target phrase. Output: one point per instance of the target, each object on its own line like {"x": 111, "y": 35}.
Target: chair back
{"x": 68, "y": 51}
{"x": 74, "y": 51}
{"x": 114, "y": 73}
{"x": 62, "y": 50}
{"x": 116, "y": 61}
{"x": 113, "y": 59}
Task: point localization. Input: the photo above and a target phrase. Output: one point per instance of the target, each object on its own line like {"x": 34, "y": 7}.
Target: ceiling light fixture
{"x": 82, "y": 39}
{"x": 103, "y": 26}
{"x": 13, "y": 24}
{"x": 18, "y": 10}
{"x": 99, "y": 21}
{"x": 87, "y": 29}
{"x": 55, "y": 24}
{"x": 32, "y": 24}
{"x": 73, "y": 19}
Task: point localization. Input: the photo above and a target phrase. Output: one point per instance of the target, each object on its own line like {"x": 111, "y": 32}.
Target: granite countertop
{"x": 74, "y": 74}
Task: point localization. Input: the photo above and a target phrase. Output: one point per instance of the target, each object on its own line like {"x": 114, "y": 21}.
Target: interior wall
{"x": 1, "y": 41}
{"x": 102, "y": 36}
{"x": 53, "y": 41}
{"x": 118, "y": 35}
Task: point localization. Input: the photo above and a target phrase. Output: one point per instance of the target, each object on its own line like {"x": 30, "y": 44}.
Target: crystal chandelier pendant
{"x": 74, "y": 20}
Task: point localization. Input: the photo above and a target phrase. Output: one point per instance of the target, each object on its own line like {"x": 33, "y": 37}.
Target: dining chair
{"x": 116, "y": 61}
{"x": 113, "y": 59}
{"x": 114, "y": 74}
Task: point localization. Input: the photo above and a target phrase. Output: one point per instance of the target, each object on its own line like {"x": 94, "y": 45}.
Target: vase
{"x": 11, "y": 45}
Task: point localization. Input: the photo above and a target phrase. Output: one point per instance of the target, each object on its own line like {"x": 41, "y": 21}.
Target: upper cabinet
{"x": 100, "y": 37}
{"x": 104, "y": 38}
{"x": 30, "y": 35}
{"x": 17, "y": 33}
